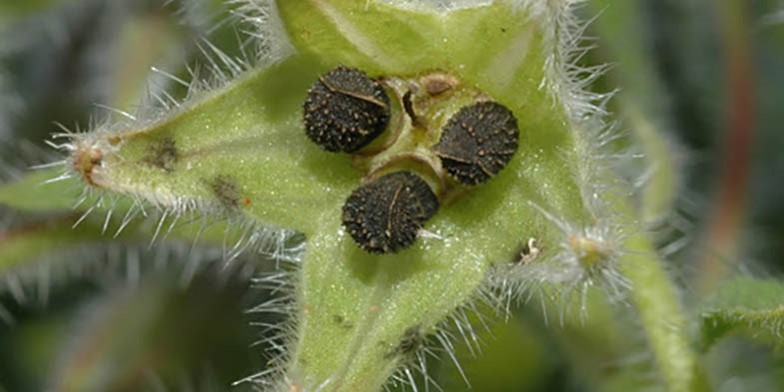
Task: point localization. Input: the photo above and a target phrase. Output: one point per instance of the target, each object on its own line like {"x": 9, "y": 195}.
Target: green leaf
{"x": 238, "y": 148}
{"x": 33, "y": 193}
{"x": 752, "y": 307}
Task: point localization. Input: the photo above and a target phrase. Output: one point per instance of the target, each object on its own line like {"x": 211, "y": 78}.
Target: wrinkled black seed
{"x": 385, "y": 215}
{"x": 163, "y": 154}
{"x": 478, "y": 141}
{"x": 345, "y": 110}
{"x": 225, "y": 190}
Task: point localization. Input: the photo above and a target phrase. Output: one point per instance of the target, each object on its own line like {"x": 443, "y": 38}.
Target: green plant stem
{"x": 662, "y": 317}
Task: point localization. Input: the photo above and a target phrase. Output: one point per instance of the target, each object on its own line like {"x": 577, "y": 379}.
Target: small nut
{"x": 385, "y": 215}
{"x": 345, "y": 110}
{"x": 478, "y": 141}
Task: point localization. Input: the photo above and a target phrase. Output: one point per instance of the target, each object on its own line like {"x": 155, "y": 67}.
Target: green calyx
{"x": 242, "y": 150}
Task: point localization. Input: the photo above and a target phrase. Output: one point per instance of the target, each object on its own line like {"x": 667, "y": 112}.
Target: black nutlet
{"x": 386, "y": 214}
{"x": 478, "y": 142}
{"x": 345, "y": 110}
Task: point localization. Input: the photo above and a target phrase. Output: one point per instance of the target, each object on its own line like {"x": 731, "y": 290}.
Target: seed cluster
{"x": 386, "y": 214}
{"x": 345, "y": 110}
{"x": 478, "y": 141}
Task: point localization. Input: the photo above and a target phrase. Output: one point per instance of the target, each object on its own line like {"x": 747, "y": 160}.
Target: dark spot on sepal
{"x": 411, "y": 341}
{"x": 164, "y": 154}
{"x": 226, "y": 191}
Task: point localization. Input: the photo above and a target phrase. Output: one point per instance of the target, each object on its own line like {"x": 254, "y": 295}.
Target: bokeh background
{"x": 122, "y": 315}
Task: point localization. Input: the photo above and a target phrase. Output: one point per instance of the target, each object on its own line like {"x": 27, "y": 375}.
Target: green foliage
{"x": 745, "y": 306}
{"x": 32, "y": 194}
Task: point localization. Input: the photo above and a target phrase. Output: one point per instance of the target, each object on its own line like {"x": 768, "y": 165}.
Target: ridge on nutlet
{"x": 478, "y": 141}
{"x": 345, "y": 110}
{"x": 385, "y": 215}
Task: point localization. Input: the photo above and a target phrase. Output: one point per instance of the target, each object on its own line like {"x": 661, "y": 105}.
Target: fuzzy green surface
{"x": 642, "y": 103}
{"x": 661, "y": 317}
{"x": 356, "y": 307}
{"x": 31, "y": 193}
{"x": 748, "y": 306}
{"x": 249, "y": 134}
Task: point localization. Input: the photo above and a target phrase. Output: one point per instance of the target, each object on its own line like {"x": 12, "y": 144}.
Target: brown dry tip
{"x": 85, "y": 159}
{"x": 438, "y": 84}
{"x": 589, "y": 251}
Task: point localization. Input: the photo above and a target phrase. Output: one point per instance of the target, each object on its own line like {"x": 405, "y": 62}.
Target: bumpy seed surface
{"x": 384, "y": 216}
{"x": 478, "y": 141}
{"x": 345, "y": 110}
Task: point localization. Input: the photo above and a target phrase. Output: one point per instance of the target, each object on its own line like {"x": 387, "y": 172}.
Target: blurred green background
{"x": 84, "y": 313}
